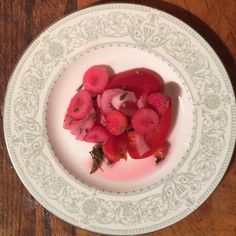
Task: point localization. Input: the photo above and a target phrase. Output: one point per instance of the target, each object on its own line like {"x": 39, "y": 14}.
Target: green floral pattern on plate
{"x": 93, "y": 209}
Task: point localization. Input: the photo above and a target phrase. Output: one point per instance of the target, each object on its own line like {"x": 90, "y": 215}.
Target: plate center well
{"x": 130, "y": 175}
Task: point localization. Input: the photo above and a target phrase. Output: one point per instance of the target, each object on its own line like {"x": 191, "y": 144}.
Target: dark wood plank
{"x": 85, "y": 3}
{"x": 20, "y": 22}
{"x": 17, "y": 206}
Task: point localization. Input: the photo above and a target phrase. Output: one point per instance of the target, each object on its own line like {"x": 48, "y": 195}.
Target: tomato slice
{"x": 141, "y": 81}
{"x": 154, "y": 139}
{"x": 115, "y": 148}
{"x": 137, "y": 145}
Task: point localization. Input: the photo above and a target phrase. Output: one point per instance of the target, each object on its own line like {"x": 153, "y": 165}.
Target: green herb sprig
{"x": 98, "y": 156}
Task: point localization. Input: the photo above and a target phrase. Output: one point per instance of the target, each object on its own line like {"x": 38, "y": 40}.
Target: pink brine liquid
{"x": 125, "y": 170}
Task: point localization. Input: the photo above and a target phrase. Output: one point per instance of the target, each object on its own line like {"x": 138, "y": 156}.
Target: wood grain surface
{"x": 20, "y": 22}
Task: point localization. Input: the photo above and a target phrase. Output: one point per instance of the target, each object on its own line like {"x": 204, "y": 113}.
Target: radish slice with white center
{"x": 119, "y": 99}
{"x": 106, "y": 99}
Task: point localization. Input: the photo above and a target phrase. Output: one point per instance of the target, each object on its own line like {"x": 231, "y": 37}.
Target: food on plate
{"x": 123, "y": 114}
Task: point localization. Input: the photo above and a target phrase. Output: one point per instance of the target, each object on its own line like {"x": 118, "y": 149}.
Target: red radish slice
{"x": 115, "y": 148}
{"x": 84, "y": 128}
{"x": 145, "y": 120}
{"x": 67, "y": 121}
{"x": 80, "y": 105}
{"x": 75, "y": 126}
{"x": 159, "y": 101}
{"x": 106, "y": 99}
{"x": 137, "y": 145}
{"x": 116, "y": 122}
{"x": 80, "y": 128}
{"x": 119, "y": 99}
{"x": 141, "y": 81}
{"x": 129, "y": 108}
{"x": 142, "y": 102}
{"x": 97, "y": 134}
{"x": 96, "y": 79}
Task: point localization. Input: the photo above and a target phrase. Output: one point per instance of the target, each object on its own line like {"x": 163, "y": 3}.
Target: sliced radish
{"x": 116, "y": 122}
{"x": 106, "y": 99}
{"x": 159, "y": 101}
{"x": 145, "y": 120}
{"x": 67, "y": 121}
{"x": 119, "y": 99}
{"x": 84, "y": 129}
{"x": 75, "y": 126}
{"x": 80, "y": 105}
{"x": 142, "y": 102}
{"x": 96, "y": 78}
{"x": 97, "y": 134}
{"x": 80, "y": 128}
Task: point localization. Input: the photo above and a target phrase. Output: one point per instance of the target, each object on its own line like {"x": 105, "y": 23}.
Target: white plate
{"x": 132, "y": 197}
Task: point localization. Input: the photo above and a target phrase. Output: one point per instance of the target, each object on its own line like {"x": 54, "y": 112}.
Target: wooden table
{"x": 20, "y": 22}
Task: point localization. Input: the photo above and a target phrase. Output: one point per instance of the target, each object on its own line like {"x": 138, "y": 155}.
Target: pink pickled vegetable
{"x": 116, "y": 122}
{"x": 97, "y": 134}
{"x": 67, "y": 121}
{"x": 145, "y": 120}
{"x": 106, "y": 99}
{"x": 80, "y": 128}
{"x": 159, "y": 101}
{"x": 119, "y": 99}
{"x": 80, "y": 105}
{"x": 96, "y": 78}
{"x": 126, "y": 113}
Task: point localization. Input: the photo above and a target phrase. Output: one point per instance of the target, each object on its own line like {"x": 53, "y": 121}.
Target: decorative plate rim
{"x": 93, "y": 200}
